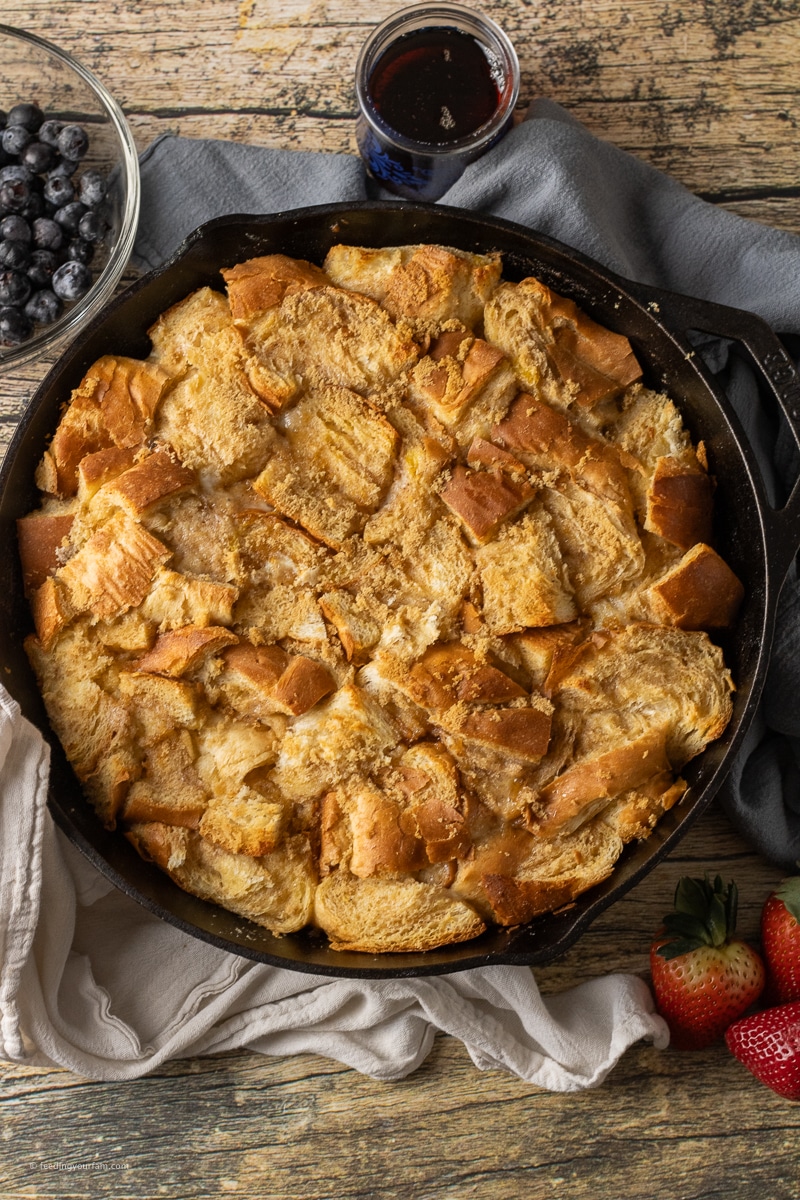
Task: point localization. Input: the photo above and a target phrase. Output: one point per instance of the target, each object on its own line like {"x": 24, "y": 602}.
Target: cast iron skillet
{"x": 758, "y": 541}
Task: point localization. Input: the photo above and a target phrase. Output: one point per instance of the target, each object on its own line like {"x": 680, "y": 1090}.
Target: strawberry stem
{"x": 704, "y": 915}
{"x": 789, "y": 892}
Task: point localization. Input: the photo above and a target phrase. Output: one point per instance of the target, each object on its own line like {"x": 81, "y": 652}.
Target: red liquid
{"x": 435, "y": 86}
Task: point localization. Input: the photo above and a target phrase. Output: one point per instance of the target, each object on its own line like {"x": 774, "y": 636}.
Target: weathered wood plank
{"x": 706, "y": 92}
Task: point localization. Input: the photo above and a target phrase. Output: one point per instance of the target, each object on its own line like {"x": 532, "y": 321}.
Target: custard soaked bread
{"x": 378, "y": 598}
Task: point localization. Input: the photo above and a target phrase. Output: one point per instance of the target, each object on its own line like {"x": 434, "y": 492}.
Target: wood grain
{"x": 709, "y": 92}
{"x": 702, "y": 89}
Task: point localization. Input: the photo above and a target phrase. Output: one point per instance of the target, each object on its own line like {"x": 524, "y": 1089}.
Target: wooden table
{"x": 709, "y": 92}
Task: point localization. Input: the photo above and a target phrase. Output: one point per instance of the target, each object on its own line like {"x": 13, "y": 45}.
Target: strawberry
{"x": 768, "y": 1044}
{"x": 703, "y": 977}
{"x": 780, "y": 941}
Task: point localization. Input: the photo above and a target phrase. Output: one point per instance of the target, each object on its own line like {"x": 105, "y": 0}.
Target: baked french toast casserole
{"x": 380, "y": 597}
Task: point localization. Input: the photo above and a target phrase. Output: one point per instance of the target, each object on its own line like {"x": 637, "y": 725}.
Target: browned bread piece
{"x": 211, "y": 415}
{"x": 428, "y": 285}
{"x": 524, "y": 578}
{"x": 169, "y": 789}
{"x": 541, "y": 651}
{"x": 176, "y": 599}
{"x": 584, "y": 788}
{"x": 259, "y": 680}
{"x": 151, "y": 480}
{"x": 51, "y": 610}
{"x": 327, "y": 336}
{"x": 261, "y": 283}
{"x": 113, "y": 405}
{"x": 179, "y": 651}
{"x": 556, "y": 349}
{"x": 113, "y": 570}
{"x": 355, "y": 620}
{"x": 452, "y": 673}
{"x": 465, "y": 383}
{"x": 658, "y": 674}
{"x": 264, "y": 615}
{"x": 96, "y": 469}
{"x": 39, "y": 537}
{"x": 598, "y": 540}
{"x": 635, "y": 814}
{"x": 436, "y": 807}
{"x": 346, "y": 734}
{"x": 332, "y": 467}
{"x": 381, "y": 916}
{"x": 275, "y": 890}
{"x": 700, "y": 592}
{"x": 160, "y": 705}
{"x": 485, "y": 500}
{"x": 512, "y": 878}
{"x": 672, "y": 491}
{"x": 520, "y": 733}
{"x": 95, "y": 727}
{"x": 679, "y": 503}
{"x": 545, "y": 438}
{"x": 586, "y": 495}
{"x": 364, "y": 831}
{"x": 411, "y": 505}
{"x": 245, "y": 824}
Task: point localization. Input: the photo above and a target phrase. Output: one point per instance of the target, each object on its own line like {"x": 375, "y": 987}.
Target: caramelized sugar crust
{"x": 378, "y": 597}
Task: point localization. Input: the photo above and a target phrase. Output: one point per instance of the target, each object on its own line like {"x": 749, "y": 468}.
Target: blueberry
{"x": 15, "y": 194}
{"x": 14, "y": 255}
{"x": 58, "y": 190}
{"x": 15, "y": 287}
{"x": 15, "y": 327}
{"x": 80, "y": 250}
{"x": 91, "y": 227}
{"x": 15, "y": 138}
{"x": 33, "y": 207}
{"x": 47, "y": 234}
{"x": 43, "y": 264}
{"x": 73, "y": 142}
{"x": 16, "y": 170}
{"x": 69, "y": 216}
{"x": 15, "y": 229}
{"x": 29, "y": 116}
{"x": 44, "y": 307}
{"x": 49, "y": 131}
{"x": 39, "y": 157}
{"x": 65, "y": 167}
{"x": 92, "y": 188}
{"x": 72, "y": 280}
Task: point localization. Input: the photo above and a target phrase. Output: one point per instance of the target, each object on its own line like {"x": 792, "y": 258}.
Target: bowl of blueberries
{"x": 69, "y": 196}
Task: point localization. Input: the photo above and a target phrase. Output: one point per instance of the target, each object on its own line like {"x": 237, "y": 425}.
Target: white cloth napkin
{"x": 94, "y": 983}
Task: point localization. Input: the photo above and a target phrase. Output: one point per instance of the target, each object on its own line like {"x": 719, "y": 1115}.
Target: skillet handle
{"x": 769, "y": 356}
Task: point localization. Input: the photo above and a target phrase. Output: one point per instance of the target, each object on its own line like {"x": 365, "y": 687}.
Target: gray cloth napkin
{"x": 550, "y": 174}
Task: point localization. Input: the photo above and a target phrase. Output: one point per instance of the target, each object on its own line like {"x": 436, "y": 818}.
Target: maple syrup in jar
{"x": 436, "y": 87}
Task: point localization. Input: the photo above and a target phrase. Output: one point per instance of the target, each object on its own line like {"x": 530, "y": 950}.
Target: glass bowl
{"x": 34, "y": 70}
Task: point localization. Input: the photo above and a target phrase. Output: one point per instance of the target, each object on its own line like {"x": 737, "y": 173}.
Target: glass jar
{"x": 436, "y": 86}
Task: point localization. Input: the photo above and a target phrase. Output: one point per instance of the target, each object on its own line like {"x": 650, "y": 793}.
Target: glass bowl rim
{"x": 102, "y": 288}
